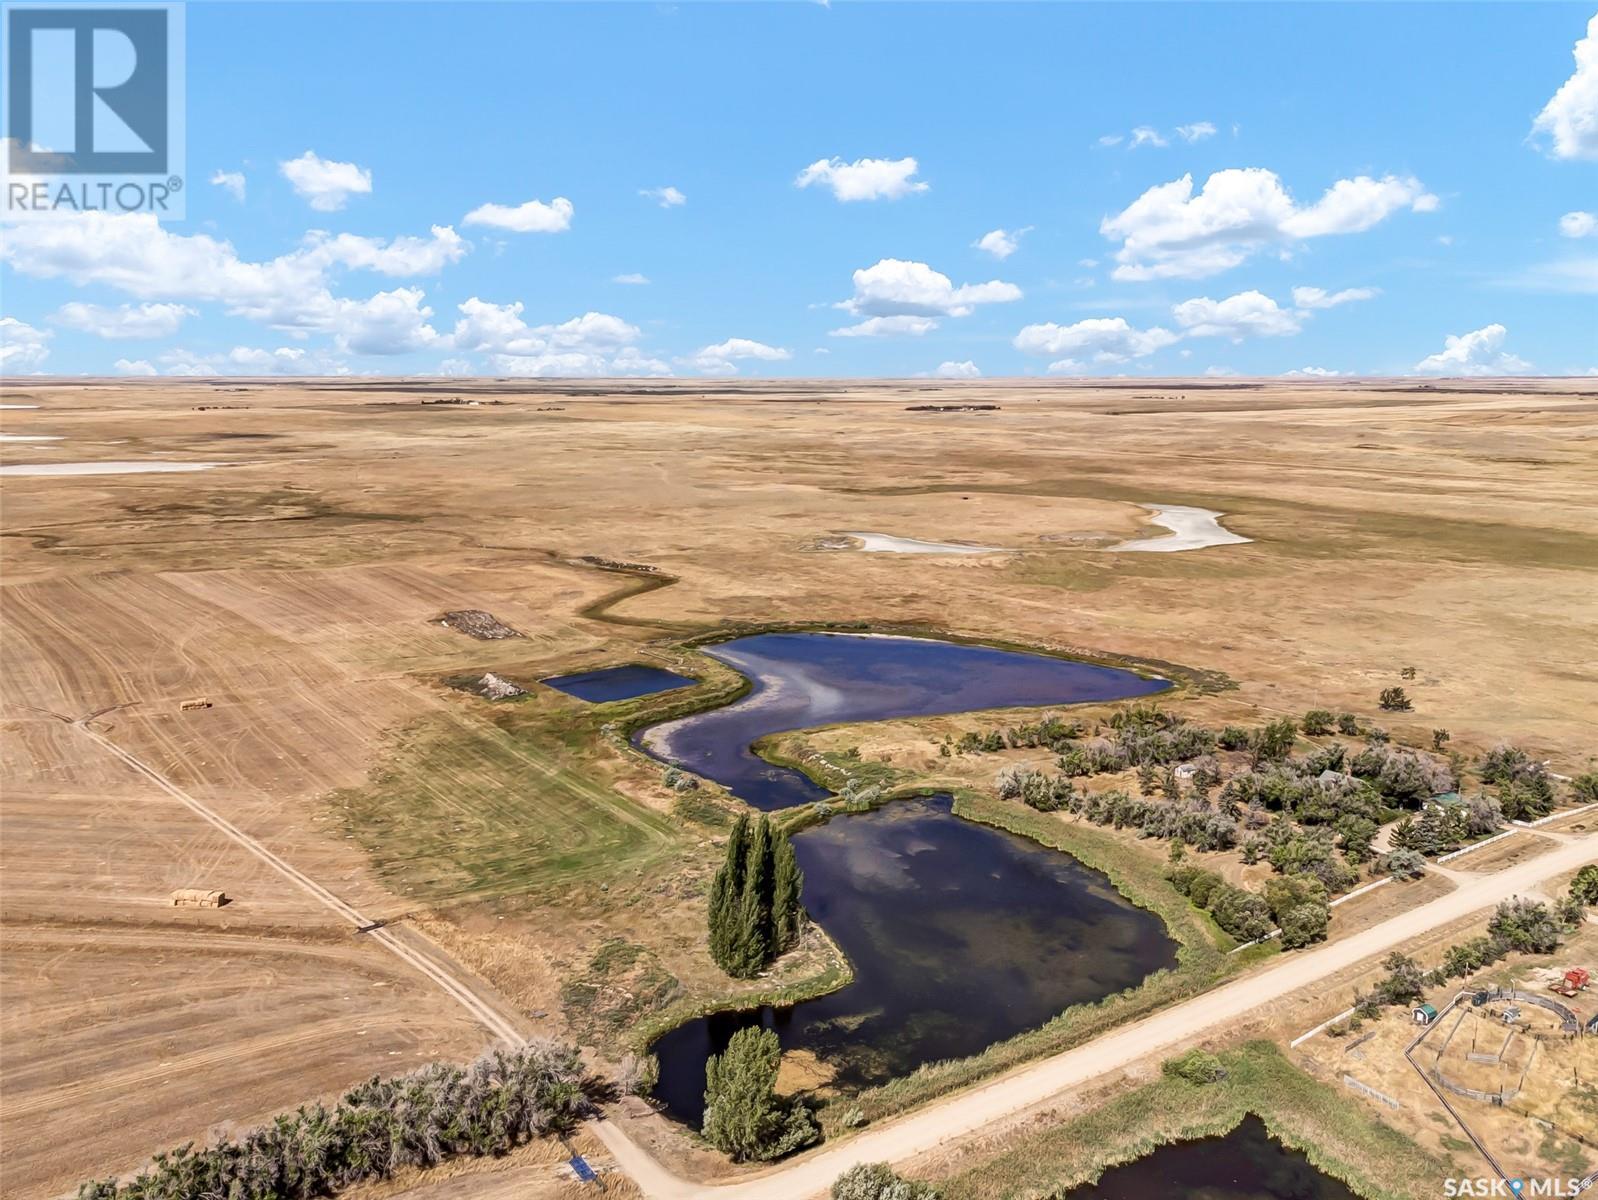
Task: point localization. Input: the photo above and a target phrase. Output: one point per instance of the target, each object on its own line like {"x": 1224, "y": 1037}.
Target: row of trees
{"x": 1518, "y": 925}
{"x": 440, "y": 1111}
{"x": 755, "y": 913}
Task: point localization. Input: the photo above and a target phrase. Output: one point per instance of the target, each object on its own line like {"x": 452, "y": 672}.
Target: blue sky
{"x": 1374, "y": 189}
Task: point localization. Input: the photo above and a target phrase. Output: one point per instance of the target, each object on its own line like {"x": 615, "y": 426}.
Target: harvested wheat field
{"x": 301, "y": 588}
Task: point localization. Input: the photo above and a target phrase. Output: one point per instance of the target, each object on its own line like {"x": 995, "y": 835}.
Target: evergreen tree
{"x": 754, "y": 945}
{"x": 788, "y": 883}
{"x": 726, "y": 895}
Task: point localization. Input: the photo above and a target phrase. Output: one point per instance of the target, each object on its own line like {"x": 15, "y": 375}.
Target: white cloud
{"x": 1474, "y": 353}
{"x": 534, "y": 216}
{"x": 135, "y": 366}
{"x": 124, "y": 321}
{"x": 723, "y": 357}
{"x": 863, "y": 179}
{"x": 576, "y": 364}
{"x": 666, "y": 197}
{"x": 633, "y": 279}
{"x": 1314, "y": 297}
{"x": 241, "y": 360}
{"x": 1107, "y": 339}
{"x": 594, "y": 344}
{"x": 233, "y": 181}
{"x": 1570, "y": 119}
{"x": 958, "y": 370}
{"x": 902, "y": 325}
{"x": 387, "y": 323}
{"x": 1219, "y": 373}
{"x": 1170, "y": 233}
{"x": 401, "y": 256}
{"x": 326, "y": 185}
{"x": 1578, "y": 224}
{"x": 1247, "y": 314}
{"x": 1001, "y": 243}
{"x": 1147, "y": 135}
{"x": 136, "y": 254}
{"x": 894, "y": 287}
{"x": 22, "y": 347}
{"x": 1314, "y": 373}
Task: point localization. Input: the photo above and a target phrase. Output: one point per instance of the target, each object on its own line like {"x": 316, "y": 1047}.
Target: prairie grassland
{"x": 1449, "y": 527}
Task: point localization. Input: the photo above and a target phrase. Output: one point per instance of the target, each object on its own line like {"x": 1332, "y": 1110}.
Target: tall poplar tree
{"x": 787, "y": 884}
{"x": 726, "y": 896}
{"x": 754, "y": 912}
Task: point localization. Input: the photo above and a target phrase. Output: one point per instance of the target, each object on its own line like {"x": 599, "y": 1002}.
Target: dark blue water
{"x": 802, "y": 680}
{"x": 617, "y": 683}
{"x": 960, "y": 935}
{"x": 1246, "y": 1164}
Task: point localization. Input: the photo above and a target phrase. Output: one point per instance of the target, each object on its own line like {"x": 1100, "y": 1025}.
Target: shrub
{"x": 1233, "y": 737}
{"x": 1303, "y": 924}
{"x": 1584, "y": 788}
{"x": 441, "y": 1111}
{"x": 638, "y": 1075}
{"x": 1318, "y": 721}
{"x": 1347, "y": 724}
{"x": 743, "y": 1116}
{"x": 1584, "y": 887}
{"x": 1395, "y": 699}
{"x": 879, "y": 1181}
{"x": 1241, "y": 914}
{"x": 1404, "y": 982}
{"x": 1195, "y": 1066}
{"x": 1525, "y": 925}
{"x": 1406, "y": 864}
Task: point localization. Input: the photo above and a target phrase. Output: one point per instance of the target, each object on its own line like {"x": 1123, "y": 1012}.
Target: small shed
{"x": 196, "y": 702}
{"x": 1424, "y": 1014}
{"x": 198, "y": 898}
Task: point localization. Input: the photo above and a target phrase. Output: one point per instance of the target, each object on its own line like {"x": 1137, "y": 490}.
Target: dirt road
{"x": 969, "y": 1112}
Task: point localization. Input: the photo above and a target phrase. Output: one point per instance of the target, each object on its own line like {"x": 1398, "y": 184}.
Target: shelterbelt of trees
{"x": 1292, "y": 793}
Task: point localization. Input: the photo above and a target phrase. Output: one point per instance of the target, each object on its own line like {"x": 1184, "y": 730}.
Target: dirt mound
{"x": 474, "y": 622}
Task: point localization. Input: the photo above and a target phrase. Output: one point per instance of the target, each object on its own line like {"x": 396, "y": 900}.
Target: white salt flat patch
{"x": 886, "y": 543}
{"x": 19, "y": 406}
{"x": 156, "y": 466}
{"x": 1191, "y": 529}
{"x": 29, "y": 437}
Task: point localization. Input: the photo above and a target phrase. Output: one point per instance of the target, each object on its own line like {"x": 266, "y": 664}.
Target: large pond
{"x": 960, "y": 935}
{"x": 803, "y": 680}
{"x": 1246, "y": 1164}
